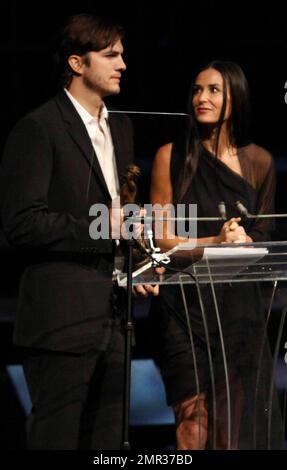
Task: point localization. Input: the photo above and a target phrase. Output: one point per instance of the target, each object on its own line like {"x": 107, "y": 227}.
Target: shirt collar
{"x": 85, "y": 115}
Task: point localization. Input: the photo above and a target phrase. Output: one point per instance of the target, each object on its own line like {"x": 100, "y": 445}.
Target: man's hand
{"x": 121, "y": 228}
{"x": 148, "y": 289}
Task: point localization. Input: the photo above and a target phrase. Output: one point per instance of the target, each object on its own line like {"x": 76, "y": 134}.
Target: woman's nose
{"x": 203, "y": 96}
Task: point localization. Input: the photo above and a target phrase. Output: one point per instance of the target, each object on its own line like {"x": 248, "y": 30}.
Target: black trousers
{"x": 77, "y": 399}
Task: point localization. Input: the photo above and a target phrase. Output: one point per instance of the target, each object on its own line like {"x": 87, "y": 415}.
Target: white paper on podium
{"x": 234, "y": 252}
{"x": 222, "y": 251}
{"x": 222, "y": 263}
{"x": 226, "y": 263}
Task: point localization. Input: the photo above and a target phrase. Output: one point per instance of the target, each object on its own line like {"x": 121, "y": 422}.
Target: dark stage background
{"x": 164, "y": 44}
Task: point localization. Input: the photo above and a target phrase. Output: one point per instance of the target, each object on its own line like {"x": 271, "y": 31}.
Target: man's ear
{"x": 76, "y": 63}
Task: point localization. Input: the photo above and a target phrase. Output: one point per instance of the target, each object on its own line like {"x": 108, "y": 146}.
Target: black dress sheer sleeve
{"x": 262, "y": 178}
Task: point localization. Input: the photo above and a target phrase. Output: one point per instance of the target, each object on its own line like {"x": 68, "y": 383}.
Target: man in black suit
{"x": 59, "y": 160}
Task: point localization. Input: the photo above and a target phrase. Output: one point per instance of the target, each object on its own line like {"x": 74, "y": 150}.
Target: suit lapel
{"x": 79, "y": 135}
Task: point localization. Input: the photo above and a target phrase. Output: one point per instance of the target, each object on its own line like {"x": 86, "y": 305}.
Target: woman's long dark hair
{"x": 237, "y": 124}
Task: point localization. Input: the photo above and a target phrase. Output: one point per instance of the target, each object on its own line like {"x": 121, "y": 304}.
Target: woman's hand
{"x": 232, "y": 232}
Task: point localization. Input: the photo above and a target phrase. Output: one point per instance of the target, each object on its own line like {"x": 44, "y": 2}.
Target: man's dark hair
{"x": 84, "y": 33}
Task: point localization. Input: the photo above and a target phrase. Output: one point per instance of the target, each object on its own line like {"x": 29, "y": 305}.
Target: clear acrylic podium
{"x": 215, "y": 273}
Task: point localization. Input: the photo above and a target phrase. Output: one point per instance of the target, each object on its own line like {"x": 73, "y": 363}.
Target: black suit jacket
{"x": 50, "y": 177}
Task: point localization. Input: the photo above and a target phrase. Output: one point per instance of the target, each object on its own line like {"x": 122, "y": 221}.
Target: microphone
{"x": 157, "y": 258}
{"x": 148, "y": 247}
{"x": 242, "y": 209}
{"x": 148, "y": 232}
{"x": 222, "y": 210}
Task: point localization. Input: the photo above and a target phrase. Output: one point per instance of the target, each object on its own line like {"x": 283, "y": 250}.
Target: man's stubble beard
{"x": 102, "y": 91}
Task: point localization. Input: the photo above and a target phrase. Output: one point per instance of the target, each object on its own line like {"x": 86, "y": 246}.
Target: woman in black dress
{"x": 212, "y": 162}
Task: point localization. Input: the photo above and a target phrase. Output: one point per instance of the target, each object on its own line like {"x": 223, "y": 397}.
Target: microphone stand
{"x": 128, "y": 344}
{"x": 151, "y": 252}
